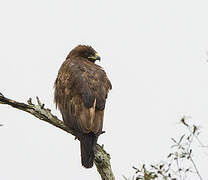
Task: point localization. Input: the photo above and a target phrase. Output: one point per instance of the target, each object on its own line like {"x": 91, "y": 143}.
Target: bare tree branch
{"x": 102, "y": 158}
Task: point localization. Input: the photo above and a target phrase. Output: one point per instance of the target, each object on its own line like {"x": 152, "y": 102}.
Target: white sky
{"x": 154, "y": 53}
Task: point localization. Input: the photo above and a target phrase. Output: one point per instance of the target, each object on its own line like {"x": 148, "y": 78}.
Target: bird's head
{"x": 86, "y": 52}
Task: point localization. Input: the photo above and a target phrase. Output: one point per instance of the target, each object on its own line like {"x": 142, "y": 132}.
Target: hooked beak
{"x": 95, "y": 57}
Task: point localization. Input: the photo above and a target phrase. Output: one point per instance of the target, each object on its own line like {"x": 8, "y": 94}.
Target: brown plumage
{"x": 81, "y": 89}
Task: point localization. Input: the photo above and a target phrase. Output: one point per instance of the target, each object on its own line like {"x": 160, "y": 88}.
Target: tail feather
{"x": 87, "y": 146}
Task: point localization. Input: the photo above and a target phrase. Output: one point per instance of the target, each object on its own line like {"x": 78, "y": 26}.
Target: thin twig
{"x": 188, "y": 127}
{"x": 197, "y": 171}
{"x": 179, "y": 169}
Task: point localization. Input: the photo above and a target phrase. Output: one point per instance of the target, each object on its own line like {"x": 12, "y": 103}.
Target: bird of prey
{"x": 81, "y": 89}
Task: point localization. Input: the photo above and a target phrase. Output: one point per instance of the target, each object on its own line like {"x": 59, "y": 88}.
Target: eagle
{"x": 81, "y": 90}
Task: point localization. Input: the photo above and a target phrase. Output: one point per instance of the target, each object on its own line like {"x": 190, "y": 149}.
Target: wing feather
{"x": 81, "y": 90}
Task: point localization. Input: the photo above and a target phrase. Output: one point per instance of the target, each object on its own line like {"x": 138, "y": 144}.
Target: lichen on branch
{"x": 102, "y": 158}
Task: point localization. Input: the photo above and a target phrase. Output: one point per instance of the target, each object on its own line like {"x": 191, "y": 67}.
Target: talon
{"x": 1, "y": 95}
{"x": 102, "y": 132}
